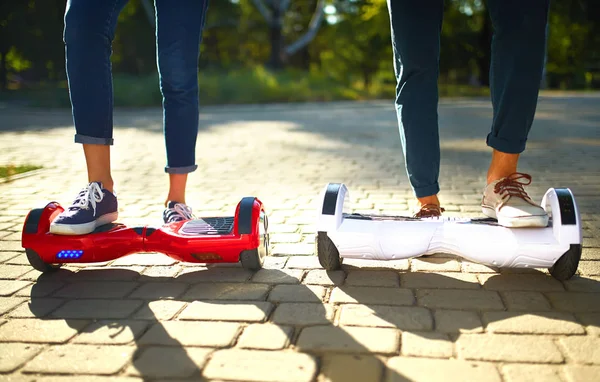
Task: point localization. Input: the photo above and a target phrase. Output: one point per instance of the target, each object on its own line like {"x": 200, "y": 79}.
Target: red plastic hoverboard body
{"x": 242, "y": 237}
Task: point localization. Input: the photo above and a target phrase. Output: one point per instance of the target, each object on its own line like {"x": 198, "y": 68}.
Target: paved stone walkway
{"x": 437, "y": 318}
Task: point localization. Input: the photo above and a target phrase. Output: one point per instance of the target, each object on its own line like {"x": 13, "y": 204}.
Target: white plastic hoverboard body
{"x": 344, "y": 235}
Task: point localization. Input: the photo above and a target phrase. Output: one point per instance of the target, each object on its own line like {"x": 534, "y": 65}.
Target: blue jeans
{"x": 517, "y": 62}
{"x": 88, "y": 35}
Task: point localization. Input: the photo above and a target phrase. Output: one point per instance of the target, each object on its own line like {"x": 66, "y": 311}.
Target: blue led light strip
{"x": 69, "y": 254}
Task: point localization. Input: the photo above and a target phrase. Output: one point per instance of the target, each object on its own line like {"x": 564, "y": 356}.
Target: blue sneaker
{"x": 93, "y": 207}
{"x": 176, "y": 212}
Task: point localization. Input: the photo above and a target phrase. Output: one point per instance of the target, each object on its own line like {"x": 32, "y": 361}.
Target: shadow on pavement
{"x": 436, "y": 308}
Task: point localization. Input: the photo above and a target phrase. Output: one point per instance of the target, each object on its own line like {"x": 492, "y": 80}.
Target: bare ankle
{"x": 432, "y": 199}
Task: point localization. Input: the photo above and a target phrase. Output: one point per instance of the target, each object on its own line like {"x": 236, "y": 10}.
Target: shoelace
{"x": 429, "y": 210}
{"x": 512, "y": 185}
{"x": 90, "y": 195}
{"x": 182, "y": 212}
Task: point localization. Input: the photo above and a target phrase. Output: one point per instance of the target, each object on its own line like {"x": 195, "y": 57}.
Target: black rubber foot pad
{"x": 486, "y": 221}
{"x": 207, "y": 226}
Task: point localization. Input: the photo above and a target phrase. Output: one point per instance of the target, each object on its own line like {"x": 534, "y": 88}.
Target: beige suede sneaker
{"x": 507, "y": 201}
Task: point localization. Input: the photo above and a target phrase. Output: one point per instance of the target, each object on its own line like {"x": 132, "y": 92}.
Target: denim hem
{"x": 506, "y": 146}
{"x": 422, "y": 192}
{"x": 86, "y": 139}
{"x": 180, "y": 170}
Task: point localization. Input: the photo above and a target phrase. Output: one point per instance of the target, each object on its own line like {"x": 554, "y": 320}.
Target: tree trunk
{"x": 275, "y": 28}
{"x": 3, "y": 69}
{"x": 485, "y": 41}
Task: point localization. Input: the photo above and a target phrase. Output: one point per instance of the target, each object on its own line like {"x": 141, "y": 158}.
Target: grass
{"x": 244, "y": 86}
{"x": 11, "y": 170}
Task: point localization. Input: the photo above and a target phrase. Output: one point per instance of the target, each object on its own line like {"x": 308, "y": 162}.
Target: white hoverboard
{"x": 376, "y": 237}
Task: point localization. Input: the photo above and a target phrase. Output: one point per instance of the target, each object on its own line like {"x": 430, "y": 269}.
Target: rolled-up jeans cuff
{"x": 180, "y": 170}
{"x": 421, "y": 192}
{"x": 86, "y": 139}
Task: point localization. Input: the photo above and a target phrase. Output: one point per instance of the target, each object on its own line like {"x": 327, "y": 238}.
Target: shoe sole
{"x": 82, "y": 229}
{"x": 519, "y": 222}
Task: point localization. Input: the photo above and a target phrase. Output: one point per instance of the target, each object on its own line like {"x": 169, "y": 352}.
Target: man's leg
{"x": 518, "y": 48}
{"x": 179, "y": 27}
{"x": 416, "y": 27}
{"x": 88, "y": 35}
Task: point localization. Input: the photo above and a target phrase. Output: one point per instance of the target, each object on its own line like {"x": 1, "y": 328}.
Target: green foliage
{"x": 12, "y": 170}
{"x": 350, "y": 58}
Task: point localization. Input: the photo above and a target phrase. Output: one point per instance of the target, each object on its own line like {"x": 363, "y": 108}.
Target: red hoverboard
{"x": 242, "y": 238}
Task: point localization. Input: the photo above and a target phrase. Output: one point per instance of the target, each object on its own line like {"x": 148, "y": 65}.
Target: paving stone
{"x": 349, "y": 339}
{"x": 303, "y": 314}
{"x": 532, "y": 323}
{"x": 372, "y": 278}
{"x": 97, "y": 309}
{"x": 508, "y": 348}
{"x": 177, "y": 333}
{"x": 214, "y": 274}
{"x": 40, "y": 331}
{"x": 81, "y": 359}
{"x": 256, "y": 311}
{"x": 158, "y": 290}
{"x": 401, "y": 369}
{"x": 469, "y": 267}
{"x": 5, "y": 256}
{"x": 399, "y": 265}
{"x": 169, "y": 362}
{"x": 530, "y": 373}
{"x": 278, "y": 276}
{"x": 592, "y": 320}
{"x": 520, "y": 282}
{"x": 272, "y": 262}
{"x": 584, "y": 350}
{"x": 401, "y": 317}
{"x": 10, "y": 245}
{"x": 13, "y": 355}
{"x": 303, "y": 262}
{"x": 97, "y": 289}
{"x": 583, "y": 284}
{"x": 350, "y": 367}
{"x": 581, "y": 373}
{"x": 588, "y": 253}
{"x": 41, "y": 288}
{"x": 8, "y": 287}
{"x": 322, "y": 277}
{"x": 372, "y": 295}
{"x": 10, "y": 272}
{"x": 95, "y": 273}
{"x": 426, "y": 344}
{"x": 450, "y": 280}
{"x": 257, "y": 365}
{"x": 265, "y": 336}
{"x": 159, "y": 310}
{"x": 526, "y": 301}
{"x": 36, "y": 308}
{"x": 589, "y": 268}
{"x": 111, "y": 332}
{"x": 575, "y": 302}
{"x": 459, "y": 299}
{"x": 293, "y": 249}
{"x": 457, "y": 321}
{"x": 162, "y": 273}
{"x": 297, "y": 293}
{"x": 227, "y": 291}
{"x": 434, "y": 264}
{"x": 9, "y": 303}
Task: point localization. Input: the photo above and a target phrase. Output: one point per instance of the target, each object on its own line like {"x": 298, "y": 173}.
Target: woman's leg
{"x": 518, "y": 49}
{"x": 416, "y": 27}
{"x": 88, "y": 34}
{"x": 179, "y": 25}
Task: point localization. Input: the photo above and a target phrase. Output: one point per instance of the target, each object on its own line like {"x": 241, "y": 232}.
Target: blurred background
{"x": 258, "y": 51}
